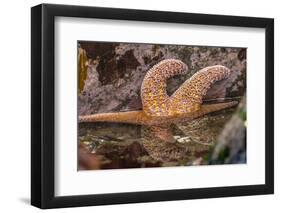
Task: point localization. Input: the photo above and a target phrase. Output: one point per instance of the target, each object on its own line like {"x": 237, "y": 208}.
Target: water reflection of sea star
{"x": 160, "y": 110}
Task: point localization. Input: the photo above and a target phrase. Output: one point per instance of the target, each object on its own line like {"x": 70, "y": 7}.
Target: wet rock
{"x": 136, "y": 150}
{"x": 242, "y": 54}
{"x": 87, "y": 160}
{"x": 231, "y": 145}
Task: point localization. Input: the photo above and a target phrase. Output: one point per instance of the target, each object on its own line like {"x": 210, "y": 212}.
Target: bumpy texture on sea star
{"x": 160, "y": 110}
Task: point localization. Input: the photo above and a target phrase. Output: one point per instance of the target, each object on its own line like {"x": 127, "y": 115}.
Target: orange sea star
{"x": 159, "y": 110}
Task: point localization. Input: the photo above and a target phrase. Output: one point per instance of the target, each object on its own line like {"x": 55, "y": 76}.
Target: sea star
{"x": 159, "y": 110}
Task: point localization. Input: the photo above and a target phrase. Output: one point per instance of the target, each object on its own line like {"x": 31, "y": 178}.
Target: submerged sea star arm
{"x": 153, "y": 90}
{"x": 208, "y": 108}
{"x": 189, "y": 96}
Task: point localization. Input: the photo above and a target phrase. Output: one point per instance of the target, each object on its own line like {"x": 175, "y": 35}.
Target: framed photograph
{"x": 140, "y": 106}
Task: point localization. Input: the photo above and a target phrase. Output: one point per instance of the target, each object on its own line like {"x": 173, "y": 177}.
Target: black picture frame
{"x": 43, "y": 111}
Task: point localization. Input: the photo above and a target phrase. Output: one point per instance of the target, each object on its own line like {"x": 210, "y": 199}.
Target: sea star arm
{"x": 209, "y": 108}
{"x": 189, "y": 96}
{"x": 132, "y": 117}
{"x": 153, "y": 90}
